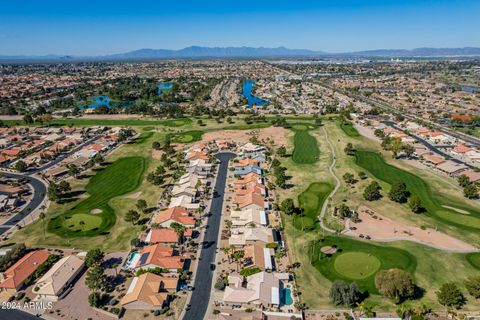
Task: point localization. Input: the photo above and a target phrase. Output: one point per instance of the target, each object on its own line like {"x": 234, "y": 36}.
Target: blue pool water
{"x": 469, "y": 88}
{"x": 98, "y": 101}
{"x": 286, "y": 297}
{"x": 247, "y": 93}
{"x": 163, "y": 87}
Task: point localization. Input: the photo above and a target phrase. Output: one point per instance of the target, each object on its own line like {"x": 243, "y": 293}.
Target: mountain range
{"x": 251, "y": 52}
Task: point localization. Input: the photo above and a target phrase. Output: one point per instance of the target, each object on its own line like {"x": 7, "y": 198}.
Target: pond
{"x": 97, "y": 102}
{"x": 251, "y": 99}
{"x": 164, "y": 87}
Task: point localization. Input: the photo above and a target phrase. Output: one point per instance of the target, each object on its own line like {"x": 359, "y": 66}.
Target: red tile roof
{"x": 23, "y": 268}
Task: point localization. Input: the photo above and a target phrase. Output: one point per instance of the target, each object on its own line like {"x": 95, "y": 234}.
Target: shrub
{"x": 450, "y": 295}
{"x": 394, "y": 284}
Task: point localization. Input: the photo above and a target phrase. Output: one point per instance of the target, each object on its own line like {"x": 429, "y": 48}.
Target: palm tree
{"x": 237, "y": 256}
{"x": 42, "y": 217}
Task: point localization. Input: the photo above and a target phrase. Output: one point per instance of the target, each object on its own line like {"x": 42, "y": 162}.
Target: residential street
{"x": 204, "y": 275}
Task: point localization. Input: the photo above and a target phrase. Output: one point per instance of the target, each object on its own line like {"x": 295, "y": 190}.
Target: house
{"x": 257, "y": 255}
{"x": 460, "y": 150}
{"x": 253, "y": 187}
{"x": 54, "y": 283}
{"x": 434, "y": 159}
{"x": 185, "y": 201}
{"x": 196, "y": 155}
{"x": 248, "y": 217}
{"x": 159, "y": 256}
{"x": 162, "y": 235}
{"x": 174, "y": 214}
{"x": 251, "y": 148}
{"x": 250, "y": 200}
{"x": 246, "y": 162}
{"x": 242, "y": 171}
{"x": 451, "y": 168}
{"x": 243, "y": 236}
{"x": 57, "y": 172}
{"x": 149, "y": 291}
{"x": 248, "y": 178}
{"x": 12, "y": 279}
{"x": 472, "y": 175}
{"x": 260, "y": 288}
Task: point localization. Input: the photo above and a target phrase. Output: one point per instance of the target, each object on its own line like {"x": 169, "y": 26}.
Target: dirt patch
{"x": 96, "y": 211}
{"x": 135, "y": 195}
{"x": 456, "y": 209}
{"x": 275, "y": 134}
{"x": 382, "y": 228}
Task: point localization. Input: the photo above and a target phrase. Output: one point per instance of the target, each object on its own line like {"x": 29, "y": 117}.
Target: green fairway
{"x": 349, "y": 129}
{"x": 311, "y": 201}
{"x": 122, "y": 176}
{"x": 187, "y": 136}
{"x": 143, "y": 137}
{"x": 436, "y": 207}
{"x": 358, "y": 261}
{"x": 356, "y": 265}
{"x": 306, "y": 149}
{"x": 82, "y": 122}
{"x": 474, "y": 259}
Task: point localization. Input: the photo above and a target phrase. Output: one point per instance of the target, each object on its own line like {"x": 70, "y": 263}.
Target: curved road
{"x": 203, "y": 278}
{"x": 39, "y": 193}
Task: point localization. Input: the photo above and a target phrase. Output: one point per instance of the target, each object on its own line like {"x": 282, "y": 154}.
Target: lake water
{"x": 97, "y": 102}
{"x": 247, "y": 93}
{"x": 162, "y": 87}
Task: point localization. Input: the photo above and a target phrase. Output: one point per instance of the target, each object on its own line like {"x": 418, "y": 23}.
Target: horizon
{"x": 78, "y": 29}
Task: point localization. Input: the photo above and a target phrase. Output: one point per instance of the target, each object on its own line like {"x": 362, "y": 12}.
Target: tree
{"x": 398, "y": 192}
{"x": 394, "y": 284}
{"x": 372, "y": 191}
{"x": 156, "y": 145}
{"x": 42, "y": 217}
{"x": 344, "y": 211}
{"x": 94, "y": 257}
{"x": 362, "y": 175}
{"x": 200, "y": 122}
{"x": 21, "y": 166}
{"x": 408, "y": 149}
{"x": 349, "y": 150}
{"x": 379, "y": 133}
{"x": 141, "y": 205}
{"x": 98, "y": 158}
{"x": 28, "y": 119}
{"x": 449, "y": 295}
{"x": 94, "y": 299}
{"x": 64, "y": 186}
{"x": 470, "y": 191}
{"x": 473, "y": 286}
{"x": 54, "y": 193}
{"x": 73, "y": 170}
{"x": 178, "y": 228}
{"x": 463, "y": 181}
{"x": 415, "y": 204}
{"x": 95, "y": 279}
{"x": 237, "y": 256}
{"x": 132, "y": 216}
{"x": 287, "y": 206}
{"x": 342, "y": 293}
{"x": 160, "y": 170}
{"x": 349, "y": 178}
{"x": 282, "y": 151}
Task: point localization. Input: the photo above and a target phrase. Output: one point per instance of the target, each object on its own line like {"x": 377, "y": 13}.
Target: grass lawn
{"x": 349, "y": 129}
{"x": 122, "y": 176}
{"x": 306, "y": 149}
{"x": 187, "y": 136}
{"x": 474, "y": 259}
{"x": 434, "y": 205}
{"x": 311, "y": 202}
{"x": 358, "y": 261}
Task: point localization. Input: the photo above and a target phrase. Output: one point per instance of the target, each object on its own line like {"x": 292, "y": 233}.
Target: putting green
{"x": 90, "y": 221}
{"x": 121, "y": 177}
{"x": 187, "y": 137}
{"x": 356, "y": 265}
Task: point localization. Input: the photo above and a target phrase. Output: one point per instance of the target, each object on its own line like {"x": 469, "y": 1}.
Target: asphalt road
{"x": 204, "y": 275}
{"x": 39, "y": 193}
{"x": 14, "y": 314}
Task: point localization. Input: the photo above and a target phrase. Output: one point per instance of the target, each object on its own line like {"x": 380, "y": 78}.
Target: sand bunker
{"x": 277, "y": 134}
{"x": 381, "y": 228}
{"x": 96, "y": 211}
{"x": 456, "y": 209}
{"x": 328, "y": 249}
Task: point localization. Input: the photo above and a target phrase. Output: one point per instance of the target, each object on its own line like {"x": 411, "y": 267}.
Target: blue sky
{"x": 95, "y": 27}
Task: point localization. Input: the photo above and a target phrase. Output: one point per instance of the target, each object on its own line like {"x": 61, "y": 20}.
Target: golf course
{"x": 349, "y": 129}
{"x": 305, "y": 146}
{"x": 435, "y": 206}
{"x": 94, "y": 216}
{"x": 311, "y": 201}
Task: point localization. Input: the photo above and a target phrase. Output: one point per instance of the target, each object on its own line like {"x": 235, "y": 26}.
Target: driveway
{"x": 204, "y": 275}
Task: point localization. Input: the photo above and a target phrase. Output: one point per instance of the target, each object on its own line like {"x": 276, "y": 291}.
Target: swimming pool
{"x": 286, "y": 297}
